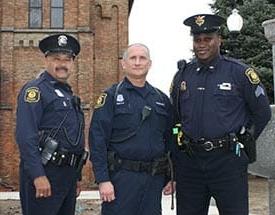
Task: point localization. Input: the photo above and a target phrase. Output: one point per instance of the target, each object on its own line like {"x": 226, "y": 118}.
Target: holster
{"x": 179, "y": 138}
{"x": 81, "y": 163}
{"x": 249, "y": 143}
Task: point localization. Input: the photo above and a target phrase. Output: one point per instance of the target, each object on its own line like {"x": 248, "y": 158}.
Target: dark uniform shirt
{"x": 220, "y": 98}
{"x": 43, "y": 104}
{"x": 117, "y": 125}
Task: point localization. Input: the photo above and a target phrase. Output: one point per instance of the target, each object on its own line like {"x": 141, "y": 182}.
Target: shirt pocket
{"x": 185, "y": 103}
{"x": 124, "y": 117}
{"x": 161, "y": 117}
{"x": 62, "y": 105}
{"x": 226, "y": 99}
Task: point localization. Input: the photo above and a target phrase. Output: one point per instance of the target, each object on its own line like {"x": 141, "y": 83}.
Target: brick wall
{"x": 101, "y": 26}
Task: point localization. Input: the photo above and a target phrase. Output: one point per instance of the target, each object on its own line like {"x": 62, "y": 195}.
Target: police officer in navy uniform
{"x": 222, "y": 108}
{"x": 128, "y": 140}
{"x": 49, "y": 133}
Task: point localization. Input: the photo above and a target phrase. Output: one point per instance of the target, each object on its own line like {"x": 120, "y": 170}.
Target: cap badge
{"x": 199, "y": 20}
{"x": 62, "y": 40}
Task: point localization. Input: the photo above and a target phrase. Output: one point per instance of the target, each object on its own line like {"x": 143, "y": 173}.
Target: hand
{"x": 42, "y": 187}
{"x": 78, "y": 188}
{"x": 106, "y": 191}
{"x": 169, "y": 188}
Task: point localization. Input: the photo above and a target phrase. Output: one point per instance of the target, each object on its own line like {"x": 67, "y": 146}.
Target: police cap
{"x": 60, "y": 43}
{"x": 204, "y": 23}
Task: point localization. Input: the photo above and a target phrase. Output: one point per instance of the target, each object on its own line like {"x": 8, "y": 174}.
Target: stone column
{"x": 271, "y": 190}
{"x": 269, "y": 29}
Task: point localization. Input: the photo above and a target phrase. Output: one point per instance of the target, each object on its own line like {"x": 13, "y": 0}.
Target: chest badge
{"x": 183, "y": 86}
{"x": 120, "y": 98}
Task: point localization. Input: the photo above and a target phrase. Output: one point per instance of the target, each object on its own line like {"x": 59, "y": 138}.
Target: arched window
{"x": 35, "y": 13}
{"x": 57, "y": 14}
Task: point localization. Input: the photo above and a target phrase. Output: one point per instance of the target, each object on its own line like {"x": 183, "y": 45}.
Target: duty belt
{"x": 208, "y": 145}
{"x": 159, "y": 166}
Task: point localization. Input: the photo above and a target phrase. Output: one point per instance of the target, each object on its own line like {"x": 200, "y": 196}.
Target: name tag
{"x": 59, "y": 93}
{"x": 160, "y": 104}
{"x": 225, "y": 86}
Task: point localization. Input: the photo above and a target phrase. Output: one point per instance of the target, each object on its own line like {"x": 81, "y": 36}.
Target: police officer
{"x": 222, "y": 107}
{"x": 49, "y": 133}
{"x": 128, "y": 140}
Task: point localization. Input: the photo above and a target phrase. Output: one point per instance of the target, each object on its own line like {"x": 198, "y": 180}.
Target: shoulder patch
{"x": 101, "y": 100}
{"x": 252, "y": 76}
{"x": 32, "y": 95}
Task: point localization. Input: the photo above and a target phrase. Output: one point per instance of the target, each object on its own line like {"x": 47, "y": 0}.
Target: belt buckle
{"x": 208, "y": 146}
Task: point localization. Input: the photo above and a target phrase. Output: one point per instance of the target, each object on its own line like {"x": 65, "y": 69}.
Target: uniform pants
{"x": 63, "y": 187}
{"x": 136, "y": 193}
{"x": 218, "y": 174}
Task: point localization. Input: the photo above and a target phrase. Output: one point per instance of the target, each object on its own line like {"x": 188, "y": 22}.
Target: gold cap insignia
{"x": 183, "y": 86}
{"x": 32, "y": 95}
{"x": 101, "y": 100}
{"x": 252, "y": 76}
{"x": 199, "y": 20}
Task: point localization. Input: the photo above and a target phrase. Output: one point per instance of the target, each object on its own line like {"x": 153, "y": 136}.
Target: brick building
{"x": 101, "y": 26}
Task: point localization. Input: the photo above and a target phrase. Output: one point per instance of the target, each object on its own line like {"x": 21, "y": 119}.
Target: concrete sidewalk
{"x": 166, "y": 207}
{"x": 93, "y": 195}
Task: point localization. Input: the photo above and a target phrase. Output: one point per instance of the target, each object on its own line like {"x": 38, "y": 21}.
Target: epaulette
{"x": 34, "y": 82}
{"x": 181, "y": 64}
{"x": 110, "y": 92}
{"x": 111, "y": 89}
{"x": 234, "y": 60}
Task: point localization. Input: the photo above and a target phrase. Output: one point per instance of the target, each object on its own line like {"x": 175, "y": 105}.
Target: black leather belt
{"x": 159, "y": 166}
{"x": 209, "y": 145}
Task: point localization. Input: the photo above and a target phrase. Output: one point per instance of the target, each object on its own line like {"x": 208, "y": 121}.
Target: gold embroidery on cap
{"x": 199, "y": 20}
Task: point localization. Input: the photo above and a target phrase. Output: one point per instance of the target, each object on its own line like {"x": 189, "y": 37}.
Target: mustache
{"x": 61, "y": 67}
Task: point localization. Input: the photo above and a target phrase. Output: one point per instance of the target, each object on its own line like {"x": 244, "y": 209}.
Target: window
{"x": 35, "y": 13}
{"x": 57, "y": 9}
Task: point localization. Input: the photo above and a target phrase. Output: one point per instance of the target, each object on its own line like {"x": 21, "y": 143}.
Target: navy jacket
{"x": 219, "y": 99}
{"x": 118, "y": 116}
{"x": 42, "y": 105}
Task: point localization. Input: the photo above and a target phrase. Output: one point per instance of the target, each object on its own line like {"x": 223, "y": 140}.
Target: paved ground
{"x": 88, "y": 203}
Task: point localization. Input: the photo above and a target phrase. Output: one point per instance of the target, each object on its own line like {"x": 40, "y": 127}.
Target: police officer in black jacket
{"x": 222, "y": 107}
{"x": 49, "y": 133}
{"x": 129, "y": 136}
